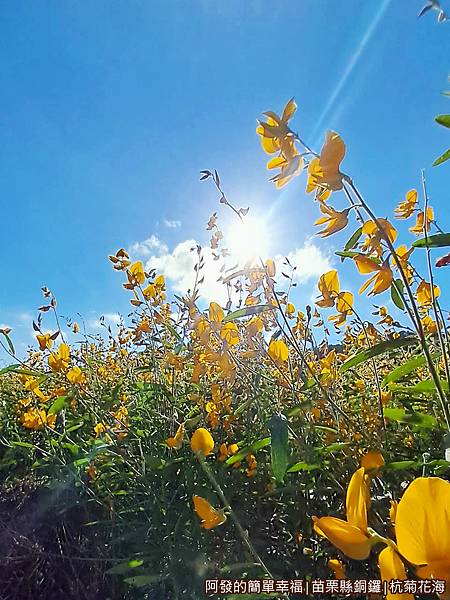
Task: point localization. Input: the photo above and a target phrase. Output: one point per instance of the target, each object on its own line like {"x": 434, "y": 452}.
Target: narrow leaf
{"x": 433, "y": 241}
{"x": 279, "y": 437}
{"x": 246, "y": 312}
{"x": 376, "y": 350}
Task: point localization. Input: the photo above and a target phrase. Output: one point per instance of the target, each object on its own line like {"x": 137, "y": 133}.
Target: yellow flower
{"x": 423, "y": 294}
{"x": 419, "y": 227}
{"x": 290, "y": 165}
{"x": 375, "y": 233}
{"x": 76, "y": 376}
{"x": 137, "y": 273}
{"x": 429, "y": 325}
{"x": 230, "y": 333}
{"x": 344, "y": 306}
{"x": 226, "y": 451}
{"x": 45, "y": 341}
{"x": 276, "y": 130}
{"x": 202, "y": 442}
{"x": 329, "y": 287}
{"x": 176, "y": 441}
{"x": 350, "y": 536}
{"x": 59, "y": 361}
{"x": 406, "y": 208}
{"x": 210, "y": 516}
{"x": 423, "y": 528}
{"x": 278, "y": 351}
{"x": 37, "y": 419}
{"x": 335, "y": 220}
{"x": 314, "y": 175}
{"x": 99, "y": 429}
{"x": 324, "y": 172}
{"x": 382, "y": 279}
{"x": 337, "y": 567}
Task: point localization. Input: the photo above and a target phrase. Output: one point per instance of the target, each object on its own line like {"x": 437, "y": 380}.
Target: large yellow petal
{"x": 392, "y": 567}
{"x": 356, "y": 501}
{"x": 423, "y": 521}
{"x": 349, "y": 539}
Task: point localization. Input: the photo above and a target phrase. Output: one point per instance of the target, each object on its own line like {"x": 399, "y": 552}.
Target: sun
{"x": 248, "y": 241}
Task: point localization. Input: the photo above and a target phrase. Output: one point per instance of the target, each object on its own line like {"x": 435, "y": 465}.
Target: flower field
{"x": 253, "y": 439}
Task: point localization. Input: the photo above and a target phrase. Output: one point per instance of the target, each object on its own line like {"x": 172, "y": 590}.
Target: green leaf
{"x": 423, "y": 387}
{"x": 442, "y": 159}
{"x": 336, "y": 447}
{"x": 248, "y": 450}
{"x": 443, "y": 120}
{"x": 8, "y": 341}
{"x": 439, "y": 240}
{"x": 402, "y": 465}
{"x": 302, "y": 466}
{"x": 279, "y": 441}
{"x": 346, "y": 254}
{"x": 9, "y": 369}
{"x": 246, "y": 312}
{"x": 361, "y": 357}
{"x": 353, "y": 240}
{"x": 23, "y": 445}
{"x": 57, "y": 405}
{"x": 397, "y": 294}
{"x": 414, "y": 418}
{"x": 407, "y": 368}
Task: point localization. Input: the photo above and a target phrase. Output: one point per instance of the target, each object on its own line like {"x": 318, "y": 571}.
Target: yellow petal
{"x": 289, "y": 110}
{"x": 349, "y": 539}
{"x": 392, "y": 567}
{"x": 356, "y": 501}
{"x": 423, "y": 521}
{"x": 372, "y": 460}
{"x": 365, "y": 264}
{"x": 208, "y": 514}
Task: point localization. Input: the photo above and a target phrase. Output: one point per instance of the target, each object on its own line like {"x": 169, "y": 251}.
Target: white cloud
{"x": 177, "y": 265}
{"x": 172, "y": 224}
{"x": 310, "y": 261}
{"x": 178, "y": 268}
{"x": 147, "y": 247}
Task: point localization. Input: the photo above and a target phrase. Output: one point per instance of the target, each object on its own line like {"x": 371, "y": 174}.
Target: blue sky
{"x": 111, "y": 109}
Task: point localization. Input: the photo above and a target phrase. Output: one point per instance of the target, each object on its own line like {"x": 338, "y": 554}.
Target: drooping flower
{"x": 59, "y": 361}
{"x": 329, "y": 287}
{"x": 350, "y": 536}
{"x": 324, "y": 173}
{"x": 176, "y": 441}
{"x": 406, "y": 208}
{"x": 381, "y": 280}
{"x": 202, "y": 442}
{"x": 424, "y": 294}
{"x": 278, "y": 351}
{"x": 419, "y": 227}
{"x": 335, "y": 220}
{"x": 210, "y": 516}
{"x": 275, "y": 132}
